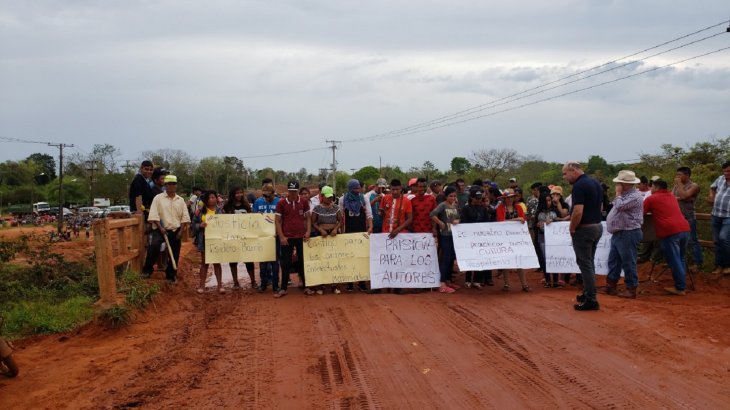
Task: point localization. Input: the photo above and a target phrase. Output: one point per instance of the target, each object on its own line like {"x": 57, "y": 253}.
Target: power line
{"x": 555, "y": 96}
{"x": 521, "y": 96}
{"x": 284, "y": 153}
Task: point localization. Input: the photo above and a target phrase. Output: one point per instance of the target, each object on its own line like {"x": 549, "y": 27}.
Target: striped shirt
{"x": 627, "y": 212}
{"x": 721, "y": 207}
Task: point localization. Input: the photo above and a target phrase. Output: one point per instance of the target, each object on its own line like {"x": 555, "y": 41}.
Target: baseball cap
{"x": 513, "y": 179}
{"x": 328, "y": 192}
{"x": 476, "y": 193}
{"x": 381, "y": 182}
{"x": 293, "y": 186}
{"x": 412, "y": 181}
{"x": 170, "y": 179}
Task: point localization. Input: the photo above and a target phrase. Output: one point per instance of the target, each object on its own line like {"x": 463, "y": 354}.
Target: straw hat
{"x": 626, "y": 177}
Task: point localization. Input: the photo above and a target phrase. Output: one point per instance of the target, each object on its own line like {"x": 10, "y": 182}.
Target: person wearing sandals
{"x": 507, "y": 210}
{"x": 210, "y": 207}
{"x": 326, "y": 220}
{"x": 545, "y": 214}
{"x": 237, "y": 203}
{"x": 293, "y": 227}
{"x": 445, "y": 215}
{"x": 356, "y": 217}
{"x": 475, "y": 212}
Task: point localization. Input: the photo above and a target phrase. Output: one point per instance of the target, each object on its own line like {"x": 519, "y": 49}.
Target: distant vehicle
{"x": 118, "y": 211}
{"x": 41, "y": 207}
{"x": 102, "y": 202}
{"x": 92, "y": 211}
{"x": 54, "y": 211}
{"x": 20, "y": 209}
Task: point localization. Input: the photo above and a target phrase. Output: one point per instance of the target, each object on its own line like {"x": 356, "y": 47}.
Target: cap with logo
{"x": 293, "y": 186}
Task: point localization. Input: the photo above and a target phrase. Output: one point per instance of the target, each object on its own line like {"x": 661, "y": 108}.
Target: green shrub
{"x": 43, "y": 316}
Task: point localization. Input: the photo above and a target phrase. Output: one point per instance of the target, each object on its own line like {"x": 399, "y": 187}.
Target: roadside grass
{"x": 47, "y": 294}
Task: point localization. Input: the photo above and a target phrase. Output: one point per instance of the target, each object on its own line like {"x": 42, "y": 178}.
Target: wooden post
{"x": 140, "y": 243}
{"x": 105, "y": 262}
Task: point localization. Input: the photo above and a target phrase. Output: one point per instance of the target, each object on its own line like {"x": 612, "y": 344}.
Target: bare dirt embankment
{"x": 473, "y": 349}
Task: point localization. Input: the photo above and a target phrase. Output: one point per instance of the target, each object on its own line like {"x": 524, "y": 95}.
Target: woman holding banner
{"x": 445, "y": 215}
{"x": 357, "y": 217}
{"x": 210, "y": 207}
{"x": 326, "y": 220}
{"x": 508, "y": 211}
{"x": 237, "y": 203}
{"x": 476, "y": 212}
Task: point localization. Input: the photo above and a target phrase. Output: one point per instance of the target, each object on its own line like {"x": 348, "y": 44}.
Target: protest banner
{"x": 240, "y": 238}
{"x": 410, "y": 260}
{"x": 340, "y": 259}
{"x": 559, "y": 254}
{"x": 497, "y": 245}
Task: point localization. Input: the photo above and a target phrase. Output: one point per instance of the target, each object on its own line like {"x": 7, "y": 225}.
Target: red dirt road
{"x": 471, "y": 350}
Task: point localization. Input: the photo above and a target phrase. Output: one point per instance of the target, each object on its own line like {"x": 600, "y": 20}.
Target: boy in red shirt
{"x": 293, "y": 228}
{"x": 422, "y": 206}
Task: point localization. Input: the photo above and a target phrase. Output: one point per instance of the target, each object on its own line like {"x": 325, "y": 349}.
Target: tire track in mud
{"x": 575, "y": 378}
{"x": 436, "y": 381}
{"x": 572, "y": 370}
{"x": 196, "y": 360}
{"x": 340, "y": 370}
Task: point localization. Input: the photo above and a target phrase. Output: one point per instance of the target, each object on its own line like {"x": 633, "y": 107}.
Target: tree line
{"x": 101, "y": 172}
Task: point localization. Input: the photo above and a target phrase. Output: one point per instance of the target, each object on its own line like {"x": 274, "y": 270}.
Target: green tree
{"x": 368, "y": 174}
{"x": 45, "y": 162}
{"x": 460, "y": 165}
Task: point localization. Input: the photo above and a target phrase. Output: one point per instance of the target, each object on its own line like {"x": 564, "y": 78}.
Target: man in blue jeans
{"x": 686, "y": 191}
{"x": 624, "y": 223}
{"x": 585, "y": 229}
{"x": 720, "y": 198}
{"x": 671, "y": 230}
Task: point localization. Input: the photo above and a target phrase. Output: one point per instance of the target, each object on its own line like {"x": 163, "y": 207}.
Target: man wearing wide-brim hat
{"x": 624, "y": 223}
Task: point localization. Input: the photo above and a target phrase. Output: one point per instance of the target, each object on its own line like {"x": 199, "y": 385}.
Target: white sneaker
{"x": 336, "y": 291}
{"x": 478, "y": 286}
{"x": 467, "y": 285}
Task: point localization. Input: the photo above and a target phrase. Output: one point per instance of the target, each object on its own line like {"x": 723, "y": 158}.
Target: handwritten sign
{"x": 340, "y": 259}
{"x": 559, "y": 254}
{"x": 240, "y": 238}
{"x": 497, "y": 245}
{"x": 410, "y": 260}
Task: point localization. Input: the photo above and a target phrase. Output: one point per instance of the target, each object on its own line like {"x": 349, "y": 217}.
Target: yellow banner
{"x": 240, "y": 238}
{"x": 344, "y": 258}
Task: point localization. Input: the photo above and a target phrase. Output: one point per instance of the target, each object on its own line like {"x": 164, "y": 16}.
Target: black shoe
{"x": 587, "y": 305}
{"x": 580, "y": 298}
{"x": 362, "y": 288}
{"x": 374, "y": 291}
{"x": 261, "y": 289}
{"x": 398, "y": 291}
{"x": 490, "y": 282}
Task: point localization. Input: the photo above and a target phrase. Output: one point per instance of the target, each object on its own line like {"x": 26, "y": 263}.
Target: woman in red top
{"x": 508, "y": 211}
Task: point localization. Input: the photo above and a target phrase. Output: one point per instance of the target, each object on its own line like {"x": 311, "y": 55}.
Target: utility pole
{"x": 323, "y": 172}
{"x": 91, "y": 167}
{"x": 333, "y": 147}
{"x": 60, "y": 216}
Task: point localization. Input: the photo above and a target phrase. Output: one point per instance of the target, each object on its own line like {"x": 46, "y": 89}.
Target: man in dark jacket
{"x": 140, "y": 192}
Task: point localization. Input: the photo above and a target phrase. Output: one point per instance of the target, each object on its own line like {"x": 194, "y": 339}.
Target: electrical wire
{"x": 507, "y": 100}
{"x": 284, "y": 153}
{"x": 555, "y": 96}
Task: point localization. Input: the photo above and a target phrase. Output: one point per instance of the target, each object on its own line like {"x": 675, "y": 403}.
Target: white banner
{"x": 410, "y": 260}
{"x": 495, "y": 245}
{"x": 559, "y": 254}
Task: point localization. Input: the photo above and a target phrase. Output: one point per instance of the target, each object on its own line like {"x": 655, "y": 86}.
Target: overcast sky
{"x": 250, "y": 78}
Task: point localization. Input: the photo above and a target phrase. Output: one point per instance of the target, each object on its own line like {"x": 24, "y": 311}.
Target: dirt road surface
{"x": 470, "y": 350}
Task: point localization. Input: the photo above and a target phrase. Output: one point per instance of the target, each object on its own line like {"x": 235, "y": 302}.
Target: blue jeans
{"x": 694, "y": 243}
{"x": 721, "y": 237}
{"x": 585, "y": 241}
{"x": 624, "y": 245}
{"x": 448, "y": 256}
{"x": 675, "y": 248}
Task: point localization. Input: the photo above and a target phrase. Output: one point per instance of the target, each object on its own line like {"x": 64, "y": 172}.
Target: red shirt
{"x": 293, "y": 217}
{"x": 395, "y": 212}
{"x": 668, "y": 218}
{"x": 421, "y": 208}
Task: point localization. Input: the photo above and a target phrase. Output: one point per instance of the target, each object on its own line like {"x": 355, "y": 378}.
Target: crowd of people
{"x": 420, "y": 206}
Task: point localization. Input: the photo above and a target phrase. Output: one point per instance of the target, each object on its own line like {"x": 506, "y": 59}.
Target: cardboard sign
{"x": 559, "y": 254}
{"x": 240, "y": 238}
{"x": 495, "y": 245}
{"x": 410, "y": 260}
{"x": 340, "y": 259}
